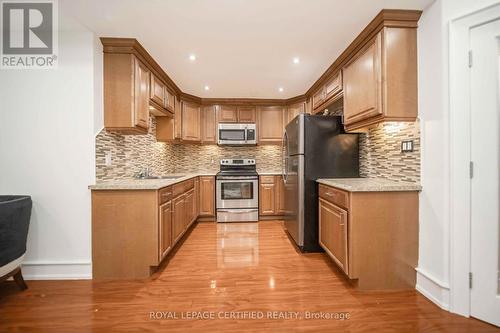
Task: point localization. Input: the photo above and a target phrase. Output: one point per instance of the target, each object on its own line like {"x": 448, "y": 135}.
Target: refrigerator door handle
{"x": 284, "y": 158}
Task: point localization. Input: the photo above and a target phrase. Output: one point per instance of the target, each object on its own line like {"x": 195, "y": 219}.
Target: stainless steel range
{"x": 237, "y": 191}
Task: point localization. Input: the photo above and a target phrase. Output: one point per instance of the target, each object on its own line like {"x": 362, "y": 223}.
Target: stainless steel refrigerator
{"x": 313, "y": 147}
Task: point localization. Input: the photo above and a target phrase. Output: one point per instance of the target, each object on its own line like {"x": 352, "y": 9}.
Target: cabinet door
{"x": 157, "y": 91}
{"x": 294, "y": 110}
{"x": 270, "y": 124}
{"x": 178, "y": 119}
{"x": 189, "y": 208}
{"x": 165, "y": 229}
{"x": 280, "y": 196}
{"x": 178, "y": 218}
{"x": 333, "y": 87}
{"x": 207, "y": 196}
{"x": 191, "y": 122}
{"x": 267, "y": 199}
{"x": 170, "y": 101}
{"x": 246, "y": 114}
{"x": 141, "y": 94}
{"x": 196, "y": 197}
{"x": 333, "y": 232}
{"x": 362, "y": 84}
{"x": 209, "y": 124}
{"x": 228, "y": 114}
{"x": 318, "y": 98}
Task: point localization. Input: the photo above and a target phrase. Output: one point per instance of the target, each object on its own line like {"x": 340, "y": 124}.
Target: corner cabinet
{"x": 126, "y": 94}
{"x": 380, "y": 81}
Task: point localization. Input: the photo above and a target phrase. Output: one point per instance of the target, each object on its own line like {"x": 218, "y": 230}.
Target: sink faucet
{"x": 144, "y": 173}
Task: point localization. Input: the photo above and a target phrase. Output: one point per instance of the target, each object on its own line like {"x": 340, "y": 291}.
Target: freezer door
{"x": 294, "y": 198}
{"x": 294, "y": 134}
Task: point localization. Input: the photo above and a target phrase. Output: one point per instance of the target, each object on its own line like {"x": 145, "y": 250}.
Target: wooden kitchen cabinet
{"x": 178, "y": 217}
{"x": 126, "y": 94}
{"x": 209, "y": 125}
{"x": 191, "y": 122}
{"x": 246, "y": 114}
{"x": 170, "y": 102}
{"x": 380, "y": 81}
{"x": 318, "y": 98}
{"x": 158, "y": 98}
{"x": 333, "y": 232}
{"x": 293, "y": 111}
{"x": 270, "y": 124}
{"x": 327, "y": 93}
{"x": 227, "y": 114}
{"x": 207, "y": 196}
{"x": 189, "y": 208}
{"x": 371, "y": 236}
{"x": 165, "y": 231}
{"x": 271, "y": 195}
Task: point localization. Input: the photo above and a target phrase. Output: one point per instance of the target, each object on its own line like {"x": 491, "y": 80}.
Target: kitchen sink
{"x": 162, "y": 177}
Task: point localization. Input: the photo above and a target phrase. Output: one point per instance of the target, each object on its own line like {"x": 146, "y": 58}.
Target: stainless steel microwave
{"x": 237, "y": 134}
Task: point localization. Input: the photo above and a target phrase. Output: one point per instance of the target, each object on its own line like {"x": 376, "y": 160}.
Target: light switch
{"x": 407, "y": 146}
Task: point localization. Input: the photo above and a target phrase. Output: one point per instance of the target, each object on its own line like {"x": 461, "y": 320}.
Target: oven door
{"x": 237, "y": 192}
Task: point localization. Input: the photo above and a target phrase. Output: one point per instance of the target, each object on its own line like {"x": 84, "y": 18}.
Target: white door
{"x": 485, "y": 146}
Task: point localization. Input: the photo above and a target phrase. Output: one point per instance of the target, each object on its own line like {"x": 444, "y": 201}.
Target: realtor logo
{"x": 29, "y": 34}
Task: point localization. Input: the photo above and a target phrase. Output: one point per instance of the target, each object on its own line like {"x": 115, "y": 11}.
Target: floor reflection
{"x": 237, "y": 245}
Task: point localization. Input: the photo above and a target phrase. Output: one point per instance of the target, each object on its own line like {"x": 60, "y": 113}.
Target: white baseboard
{"x": 54, "y": 270}
{"x": 435, "y": 290}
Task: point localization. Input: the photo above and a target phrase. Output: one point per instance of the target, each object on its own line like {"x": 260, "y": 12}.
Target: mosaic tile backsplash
{"x": 380, "y": 154}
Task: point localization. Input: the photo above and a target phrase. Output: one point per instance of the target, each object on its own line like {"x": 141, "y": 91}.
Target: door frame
{"x": 460, "y": 154}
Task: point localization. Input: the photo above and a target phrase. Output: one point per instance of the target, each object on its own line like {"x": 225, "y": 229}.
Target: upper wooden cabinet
{"x": 191, "y": 122}
{"x": 246, "y": 114}
{"x": 293, "y": 111}
{"x": 270, "y": 124}
{"x": 158, "y": 98}
{"x": 170, "y": 101}
{"x": 227, "y": 114}
{"x": 380, "y": 81}
{"x": 208, "y": 124}
{"x": 126, "y": 94}
{"x": 328, "y": 93}
{"x": 236, "y": 114}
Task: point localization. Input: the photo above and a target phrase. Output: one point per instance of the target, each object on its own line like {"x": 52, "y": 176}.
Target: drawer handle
{"x": 329, "y": 194}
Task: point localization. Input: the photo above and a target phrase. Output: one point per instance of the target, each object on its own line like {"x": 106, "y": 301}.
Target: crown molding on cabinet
{"x": 132, "y": 46}
{"x": 386, "y": 18}
{"x": 394, "y": 18}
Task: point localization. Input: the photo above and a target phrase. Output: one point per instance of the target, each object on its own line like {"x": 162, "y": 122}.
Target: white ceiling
{"x": 244, "y": 48}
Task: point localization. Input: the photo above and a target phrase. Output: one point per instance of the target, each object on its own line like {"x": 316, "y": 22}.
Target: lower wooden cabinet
{"x": 133, "y": 231}
{"x": 371, "y": 236}
{"x": 207, "y": 196}
{"x": 165, "y": 229}
{"x": 178, "y": 217}
{"x": 333, "y": 232}
{"x": 271, "y": 196}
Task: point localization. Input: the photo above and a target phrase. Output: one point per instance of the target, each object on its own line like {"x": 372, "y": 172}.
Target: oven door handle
{"x": 236, "y": 180}
{"x": 237, "y": 210}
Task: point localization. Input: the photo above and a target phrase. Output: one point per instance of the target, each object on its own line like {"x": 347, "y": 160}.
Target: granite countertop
{"x": 146, "y": 184}
{"x": 269, "y": 173}
{"x": 369, "y": 185}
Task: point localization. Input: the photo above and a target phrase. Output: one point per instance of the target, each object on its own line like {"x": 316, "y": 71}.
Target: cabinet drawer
{"x": 164, "y": 195}
{"x": 182, "y": 187}
{"x": 333, "y": 195}
{"x": 267, "y": 179}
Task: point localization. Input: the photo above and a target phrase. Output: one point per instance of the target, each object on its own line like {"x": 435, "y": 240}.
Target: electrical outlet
{"x": 407, "y": 146}
{"x": 107, "y": 158}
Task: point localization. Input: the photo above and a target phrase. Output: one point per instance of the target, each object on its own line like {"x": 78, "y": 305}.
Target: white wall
{"x": 433, "y": 278}
{"x": 47, "y": 130}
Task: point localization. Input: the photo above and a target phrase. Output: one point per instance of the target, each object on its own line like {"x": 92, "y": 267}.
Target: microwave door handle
{"x": 246, "y": 134}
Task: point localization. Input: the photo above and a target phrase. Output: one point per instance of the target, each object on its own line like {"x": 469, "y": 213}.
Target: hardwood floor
{"x": 218, "y": 269}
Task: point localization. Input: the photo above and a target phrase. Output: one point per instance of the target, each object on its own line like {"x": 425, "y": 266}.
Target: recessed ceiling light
{"x": 207, "y": 88}
{"x": 281, "y": 89}
{"x": 192, "y": 57}
{"x": 296, "y": 60}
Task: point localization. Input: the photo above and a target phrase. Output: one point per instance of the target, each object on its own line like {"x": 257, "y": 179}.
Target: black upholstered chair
{"x": 15, "y": 213}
